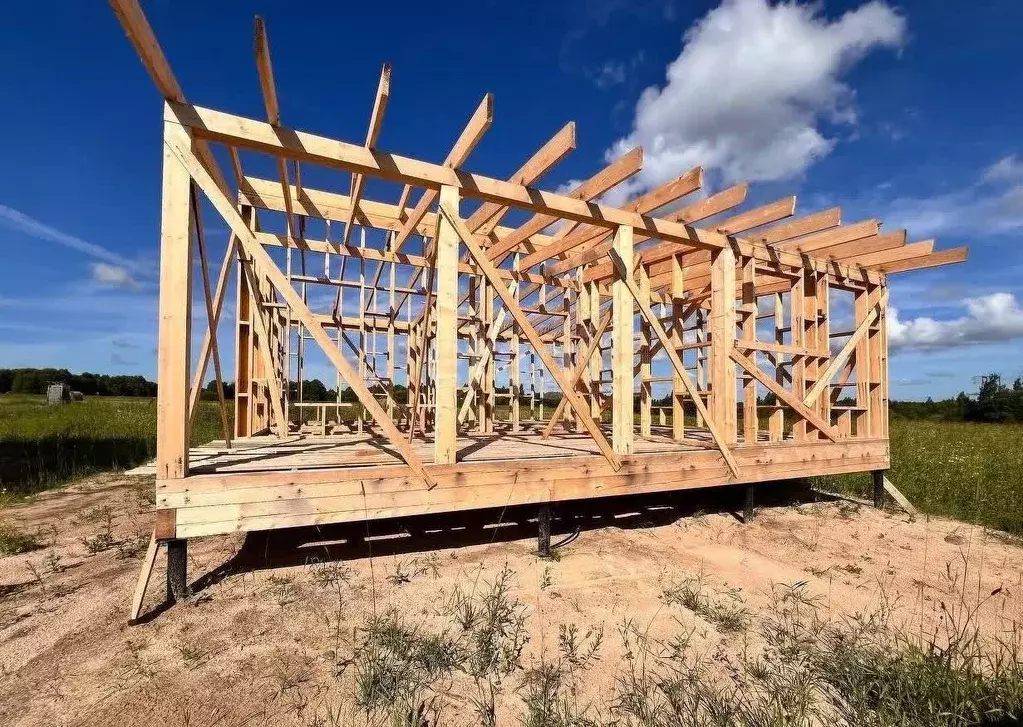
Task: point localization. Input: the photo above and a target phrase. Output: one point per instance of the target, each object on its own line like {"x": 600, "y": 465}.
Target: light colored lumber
{"x": 145, "y": 573}
{"x": 376, "y": 122}
{"x": 211, "y": 319}
{"x": 607, "y": 178}
{"x": 581, "y": 367}
{"x": 487, "y": 268}
{"x": 717, "y": 435}
{"x": 470, "y": 137}
{"x": 786, "y": 396}
{"x": 750, "y": 219}
{"x": 297, "y": 305}
{"x": 175, "y": 331}
{"x": 445, "y": 434}
{"x": 838, "y": 361}
{"x": 622, "y": 351}
{"x": 816, "y": 222}
{"x": 903, "y": 501}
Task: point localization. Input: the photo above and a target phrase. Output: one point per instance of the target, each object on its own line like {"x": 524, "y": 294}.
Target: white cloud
{"x": 751, "y": 88}
{"x": 989, "y": 319}
{"x": 114, "y": 276}
{"x": 16, "y": 220}
{"x": 610, "y": 74}
{"x": 992, "y": 205}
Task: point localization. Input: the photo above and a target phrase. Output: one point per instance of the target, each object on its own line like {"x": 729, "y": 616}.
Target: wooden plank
{"x": 716, "y": 434}
{"x": 485, "y": 219}
{"x": 479, "y": 367}
{"x": 145, "y": 573}
{"x": 721, "y": 371}
{"x": 829, "y": 238}
{"x": 488, "y": 269}
{"x": 607, "y": 178}
{"x": 678, "y": 427}
{"x": 708, "y": 207}
{"x": 141, "y": 35}
{"x": 297, "y": 305}
{"x": 263, "y": 339}
{"x": 786, "y": 396}
{"x": 174, "y": 336}
{"x": 211, "y": 318}
{"x": 645, "y": 360}
{"x": 838, "y": 361}
{"x": 645, "y": 204}
{"x": 273, "y": 112}
{"x": 903, "y": 501}
{"x": 210, "y": 335}
{"x": 259, "y": 136}
{"x": 581, "y": 368}
{"x": 817, "y": 222}
{"x": 622, "y": 350}
{"x": 445, "y": 434}
{"x": 376, "y": 123}
{"x": 470, "y": 137}
{"x": 764, "y": 215}
{"x": 935, "y": 259}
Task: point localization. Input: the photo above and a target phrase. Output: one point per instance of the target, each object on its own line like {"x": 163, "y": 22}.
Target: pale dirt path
{"x": 255, "y": 647}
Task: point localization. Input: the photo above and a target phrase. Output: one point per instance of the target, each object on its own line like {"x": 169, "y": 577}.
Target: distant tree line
{"x": 35, "y": 381}
{"x": 995, "y": 402}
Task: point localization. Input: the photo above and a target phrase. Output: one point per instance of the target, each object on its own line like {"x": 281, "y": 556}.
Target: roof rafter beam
{"x": 645, "y": 204}
{"x": 471, "y": 135}
{"x": 273, "y": 112}
{"x": 376, "y": 122}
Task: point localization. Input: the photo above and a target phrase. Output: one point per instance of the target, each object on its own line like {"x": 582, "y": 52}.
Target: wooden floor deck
{"x": 308, "y": 451}
{"x": 265, "y": 482}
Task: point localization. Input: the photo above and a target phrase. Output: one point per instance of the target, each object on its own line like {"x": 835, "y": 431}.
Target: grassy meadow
{"x": 45, "y": 446}
{"x": 972, "y": 472}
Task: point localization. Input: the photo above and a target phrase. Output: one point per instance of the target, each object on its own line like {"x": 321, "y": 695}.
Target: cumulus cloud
{"x": 752, "y": 88}
{"x": 114, "y": 276}
{"x": 989, "y": 319}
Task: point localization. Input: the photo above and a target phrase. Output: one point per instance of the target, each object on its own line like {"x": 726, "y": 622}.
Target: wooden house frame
{"x": 732, "y": 304}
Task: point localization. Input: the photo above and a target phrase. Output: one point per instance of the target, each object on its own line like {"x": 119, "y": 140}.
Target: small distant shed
{"x": 58, "y": 393}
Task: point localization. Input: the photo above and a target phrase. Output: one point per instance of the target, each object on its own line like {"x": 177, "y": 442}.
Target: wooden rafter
{"x": 376, "y": 122}
{"x": 471, "y": 136}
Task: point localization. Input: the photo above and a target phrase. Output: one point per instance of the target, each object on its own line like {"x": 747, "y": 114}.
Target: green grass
{"x": 46, "y": 446}
{"x": 970, "y": 472}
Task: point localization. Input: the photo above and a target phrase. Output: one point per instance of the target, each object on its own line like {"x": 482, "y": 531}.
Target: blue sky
{"x": 909, "y": 112}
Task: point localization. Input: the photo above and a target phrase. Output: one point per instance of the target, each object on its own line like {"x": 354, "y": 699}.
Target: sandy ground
{"x": 264, "y": 641}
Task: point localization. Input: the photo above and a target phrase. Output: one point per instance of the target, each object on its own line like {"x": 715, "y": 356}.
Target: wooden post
{"x": 722, "y": 340}
{"x": 749, "y": 505}
{"x": 776, "y": 424}
{"x": 515, "y": 380}
{"x": 797, "y": 306}
{"x": 173, "y": 349}
{"x": 701, "y": 361}
{"x": 750, "y": 423}
{"x": 243, "y": 348}
{"x": 678, "y": 412}
{"x": 622, "y": 352}
{"x": 177, "y": 570}
{"x": 597, "y": 362}
{"x": 543, "y": 531}
{"x": 877, "y": 478}
{"x": 645, "y": 368}
{"x": 446, "y": 338}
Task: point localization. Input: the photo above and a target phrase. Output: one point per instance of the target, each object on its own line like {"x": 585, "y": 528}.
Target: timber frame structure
{"x": 733, "y": 308}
